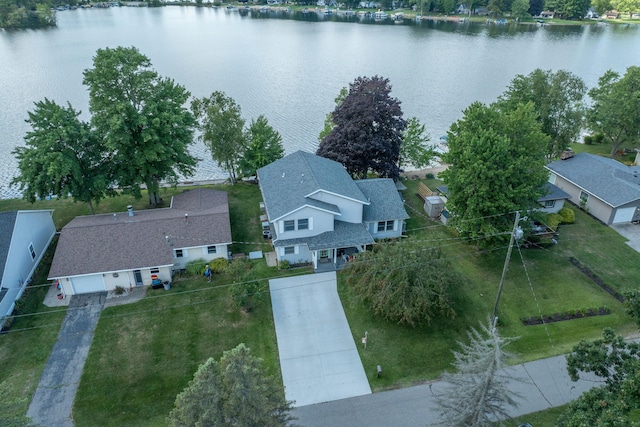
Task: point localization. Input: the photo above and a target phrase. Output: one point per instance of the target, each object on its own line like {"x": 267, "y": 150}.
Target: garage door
{"x": 88, "y": 284}
{"x": 624, "y": 215}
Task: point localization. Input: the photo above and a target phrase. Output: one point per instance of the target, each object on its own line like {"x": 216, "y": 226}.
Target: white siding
{"x": 350, "y": 210}
{"x": 301, "y": 255}
{"x": 199, "y": 252}
{"x": 319, "y": 222}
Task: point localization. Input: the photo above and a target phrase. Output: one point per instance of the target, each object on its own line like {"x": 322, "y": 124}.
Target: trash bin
{"x": 167, "y": 285}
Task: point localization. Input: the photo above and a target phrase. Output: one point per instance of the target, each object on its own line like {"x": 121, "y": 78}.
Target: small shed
{"x": 433, "y": 206}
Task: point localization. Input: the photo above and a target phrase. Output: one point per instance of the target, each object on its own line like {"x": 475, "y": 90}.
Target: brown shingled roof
{"x": 116, "y": 242}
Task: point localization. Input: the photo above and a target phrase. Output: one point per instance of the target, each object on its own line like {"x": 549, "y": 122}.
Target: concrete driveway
{"x": 631, "y": 232}
{"x": 52, "y": 402}
{"x": 318, "y": 355}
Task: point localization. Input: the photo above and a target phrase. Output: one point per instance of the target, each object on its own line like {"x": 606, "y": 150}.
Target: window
{"x": 211, "y": 249}
{"x": 179, "y": 253}
{"x": 289, "y": 225}
{"x": 154, "y": 270}
{"x": 289, "y": 250}
{"x": 549, "y": 203}
{"x": 385, "y": 226}
{"x": 303, "y": 224}
{"x": 584, "y": 196}
{"x": 32, "y": 251}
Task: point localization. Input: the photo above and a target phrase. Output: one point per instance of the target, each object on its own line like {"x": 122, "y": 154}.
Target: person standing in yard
{"x": 207, "y": 273}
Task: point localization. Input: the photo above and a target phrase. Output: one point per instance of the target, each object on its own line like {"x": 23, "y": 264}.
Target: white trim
{"x": 306, "y": 206}
{"x": 338, "y": 195}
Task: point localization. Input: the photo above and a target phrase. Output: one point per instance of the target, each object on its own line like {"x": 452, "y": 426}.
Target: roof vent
{"x": 283, "y": 174}
{"x": 186, "y": 218}
{"x": 130, "y": 210}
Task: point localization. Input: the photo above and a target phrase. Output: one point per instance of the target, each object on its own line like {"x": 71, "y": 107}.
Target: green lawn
{"x": 143, "y": 354}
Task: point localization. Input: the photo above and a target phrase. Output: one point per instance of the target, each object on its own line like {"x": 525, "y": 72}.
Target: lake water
{"x": 291, "y": 70}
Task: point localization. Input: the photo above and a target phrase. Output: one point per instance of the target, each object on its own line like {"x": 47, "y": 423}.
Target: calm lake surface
{"x": 291, "y": 70}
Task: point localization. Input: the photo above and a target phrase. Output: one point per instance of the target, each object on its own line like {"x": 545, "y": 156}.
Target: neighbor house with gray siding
{"x": 24, "y": 238}
{"x": 101, "y": 252}
{"x": 606, "y": 188}
{"x": 317, "y": 213}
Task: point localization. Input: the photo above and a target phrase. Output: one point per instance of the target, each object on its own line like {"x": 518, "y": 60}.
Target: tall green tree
{"x": 626, "y": 6}
{"x": 328, "y": 120}
{"x": 265, "y": 146}
{"x": 557, "y": 99}
{"x": 520, "y": 9}
{"x": 142, "y": 120}
{"x": 222, "y": 126}
{"x": 601, "y": 6}
{"x": 479, "y": 394}
{"x": 614, "y": 111}
{"x": 404, "y": 282}
{"x": 617, "y": 363}
{"x": 232, "y": 392}
{"x": 62, "y": 157}
{"x": 368, "y": 130}
{"x": 496, "y": 167}
{"x": 415, "y": 150}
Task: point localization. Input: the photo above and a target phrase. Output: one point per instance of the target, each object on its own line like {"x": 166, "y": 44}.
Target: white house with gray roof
{"x": 100, "y": 252}
{"x": 608, "y": 189}
{"x": 24, "y": 238}
{"x": 318, "y": 213}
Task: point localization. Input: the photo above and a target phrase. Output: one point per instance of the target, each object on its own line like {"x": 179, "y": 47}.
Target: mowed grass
{"x": 538, "y": 282}
{"x": 143, "y": 354}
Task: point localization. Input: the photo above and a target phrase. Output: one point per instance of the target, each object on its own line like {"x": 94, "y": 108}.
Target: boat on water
{"x": 232, "y": 8}
{"x": 380, "y": 16}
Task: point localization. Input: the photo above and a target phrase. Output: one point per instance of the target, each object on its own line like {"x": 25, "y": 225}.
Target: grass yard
{"x": 143, "y": 354}
{"x": 549, "y": 284}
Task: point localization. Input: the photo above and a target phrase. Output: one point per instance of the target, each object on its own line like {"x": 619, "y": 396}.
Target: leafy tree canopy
{"x": 615, "y": 361}
{"x": 27, "y": 13}
{"x": 232, "y": 392}
{"x": 520, "y": 9}
{"x": 479, "y": 393}
{"x": 404, "y": 282}
{"x": 557, "y": 99}
{"x": 265, "y": 146}
{"x": 368, "y": 130}
{"x": 614, "y": 111}
{"x": 142, "y": 119}
{"x": 415, "y": 150}
{"x": 62, "y": 157}
{"x": 496, "y": 167}
{"x": 222, "y": 126}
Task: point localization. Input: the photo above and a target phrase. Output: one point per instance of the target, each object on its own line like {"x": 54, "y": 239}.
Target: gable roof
{"x": 553, "y": 192}
{"x": 7, "y": 223}
{"x": 287, "y": 183}
{"x": 385, "y": 202}
{"x": 117, "y": 241}
{"x": 607, "y": 179}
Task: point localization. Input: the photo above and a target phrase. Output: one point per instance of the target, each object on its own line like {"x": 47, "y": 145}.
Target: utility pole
{"x": 505, "y": 268}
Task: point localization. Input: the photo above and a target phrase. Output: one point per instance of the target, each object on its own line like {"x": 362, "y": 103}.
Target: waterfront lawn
{"x": 550, "y": 284}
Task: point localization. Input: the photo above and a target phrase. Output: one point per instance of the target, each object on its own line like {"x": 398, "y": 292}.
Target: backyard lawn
{"x": 143, "y": 354}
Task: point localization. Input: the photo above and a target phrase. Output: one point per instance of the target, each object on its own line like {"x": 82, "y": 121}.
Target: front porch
{"x": 333, "y": 263}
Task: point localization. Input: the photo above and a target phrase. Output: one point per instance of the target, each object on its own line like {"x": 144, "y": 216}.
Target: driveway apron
{"x": 318, "y": 355}
{"x": 52, "y": 402}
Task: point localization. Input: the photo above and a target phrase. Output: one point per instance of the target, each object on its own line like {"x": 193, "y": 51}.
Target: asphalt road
{"x": 539, "y": 385}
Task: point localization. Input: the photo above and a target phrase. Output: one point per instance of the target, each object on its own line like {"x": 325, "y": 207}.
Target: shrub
{"x": 598, "y": 138}
{"x": 588, "y": 139}
{"x": 218, "y": 265}
{"x": 553, "y": 220}
{"x": 430, "y": 176}
{"x": 284, "y": 265}
{"x": 119, "y": 290}
{"x": 567, "y": 216}
{"x": 196, "y": 267}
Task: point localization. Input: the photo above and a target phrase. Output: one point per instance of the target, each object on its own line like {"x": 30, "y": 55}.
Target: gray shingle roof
{"x": 286, "y": 183}
{"x": 116, "y": 242}
{"x": 385, "y": 202}
{"x": 7, "y": 223}
{"x": 607, "y": 179}
{"x": 344, "y": 235}
{"x": 553, "y": 192}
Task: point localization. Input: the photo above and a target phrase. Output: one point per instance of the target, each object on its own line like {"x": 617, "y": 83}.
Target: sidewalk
{"x": 541, "y": 384}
